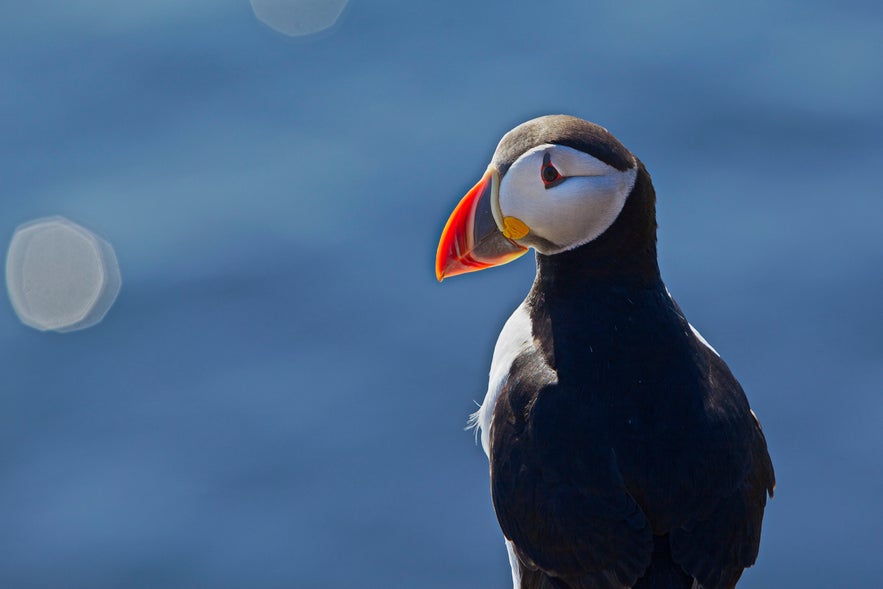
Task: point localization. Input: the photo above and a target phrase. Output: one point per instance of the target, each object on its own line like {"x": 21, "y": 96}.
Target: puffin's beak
{"x": 472, "y": 240}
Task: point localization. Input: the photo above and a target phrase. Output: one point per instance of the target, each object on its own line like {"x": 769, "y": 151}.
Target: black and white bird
{"x": 623, "y": 452}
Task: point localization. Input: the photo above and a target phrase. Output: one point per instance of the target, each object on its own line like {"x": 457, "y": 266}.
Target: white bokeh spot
{"x": 298, "y": 17}
{"x": 60, "y": 276}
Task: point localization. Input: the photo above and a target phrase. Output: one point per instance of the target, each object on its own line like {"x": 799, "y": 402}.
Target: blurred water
{"x": 278, "y": 396}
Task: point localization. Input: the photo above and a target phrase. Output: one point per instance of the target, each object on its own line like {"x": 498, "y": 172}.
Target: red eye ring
{"x": 549, "y": 173}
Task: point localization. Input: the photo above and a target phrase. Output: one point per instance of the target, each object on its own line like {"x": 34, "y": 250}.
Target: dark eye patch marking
{"x": 549, "y": 173}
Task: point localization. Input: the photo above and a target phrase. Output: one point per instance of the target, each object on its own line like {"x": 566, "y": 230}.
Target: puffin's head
{"x": 555, "y": 183}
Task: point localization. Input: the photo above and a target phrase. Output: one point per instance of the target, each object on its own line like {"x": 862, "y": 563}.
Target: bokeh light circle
{"x": 298, "y": 17}
{"x": 60, "y": 276}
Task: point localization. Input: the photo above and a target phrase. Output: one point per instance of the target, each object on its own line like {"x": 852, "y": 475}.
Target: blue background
{"x": 277, "y": 399}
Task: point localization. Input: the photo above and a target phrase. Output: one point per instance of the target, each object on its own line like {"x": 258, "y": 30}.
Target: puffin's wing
{"x": 721, "y": 536}
{"x": 569, "y": 516}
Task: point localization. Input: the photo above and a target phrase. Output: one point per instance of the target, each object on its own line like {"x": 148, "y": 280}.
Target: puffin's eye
{"x": 549, "y": 173}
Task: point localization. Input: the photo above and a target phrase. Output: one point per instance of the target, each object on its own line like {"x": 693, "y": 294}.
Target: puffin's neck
{"x": 623, "y": 256}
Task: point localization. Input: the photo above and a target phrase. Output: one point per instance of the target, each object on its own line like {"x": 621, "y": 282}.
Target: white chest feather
{"x": 515, "y": 338}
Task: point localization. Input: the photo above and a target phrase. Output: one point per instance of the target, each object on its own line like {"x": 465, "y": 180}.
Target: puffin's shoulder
{"x": 514, "y": 344}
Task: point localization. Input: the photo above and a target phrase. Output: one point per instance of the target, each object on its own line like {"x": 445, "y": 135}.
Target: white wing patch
{"x": 702, "y": 339}
{"x": 693, "y": 329}
{"x": 513, "y": 563}
{"x": 516, "y": 337}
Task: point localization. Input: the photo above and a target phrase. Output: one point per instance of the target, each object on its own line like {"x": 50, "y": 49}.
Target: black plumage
{"x": 620, "y": 429}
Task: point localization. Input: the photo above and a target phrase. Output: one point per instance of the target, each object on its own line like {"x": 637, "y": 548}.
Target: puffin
{"x": 623, "y": 452}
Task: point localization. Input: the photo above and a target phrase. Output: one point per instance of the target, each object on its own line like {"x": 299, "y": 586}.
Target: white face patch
{"x": 572, "y": 211}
